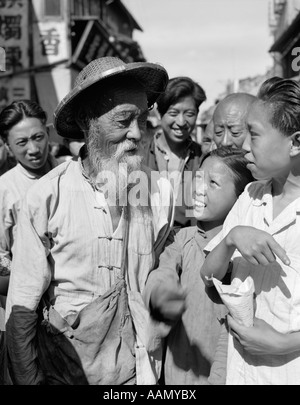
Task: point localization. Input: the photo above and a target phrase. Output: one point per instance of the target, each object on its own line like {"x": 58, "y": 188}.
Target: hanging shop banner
{"x": 14, "y": 33}
{"x": 52, "y": 86}
{"x": 12, "y": 89}
{"x": 50, "y": 42}
{"x": 14, "y": 51}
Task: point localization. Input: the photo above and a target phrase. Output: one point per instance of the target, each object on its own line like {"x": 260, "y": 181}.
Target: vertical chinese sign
{"x": 14, "y": 84}
{"x": 50, "y": 42}
{"x": 51, "y": 51}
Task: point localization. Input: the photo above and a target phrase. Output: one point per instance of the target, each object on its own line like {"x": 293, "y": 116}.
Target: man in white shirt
{"x": 23, "y": 129}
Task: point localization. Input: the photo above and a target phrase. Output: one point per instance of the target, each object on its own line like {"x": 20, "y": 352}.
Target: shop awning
{"x": 289, "y": 37}
{"x": 94, "y": 43}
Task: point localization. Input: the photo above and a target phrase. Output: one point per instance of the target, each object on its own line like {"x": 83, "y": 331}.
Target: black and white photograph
{"x": 149, "y": 195}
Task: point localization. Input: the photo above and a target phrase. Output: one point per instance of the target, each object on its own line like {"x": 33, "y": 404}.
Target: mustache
{"x": 130, "y": 145}
{"x": 125, "y": 146}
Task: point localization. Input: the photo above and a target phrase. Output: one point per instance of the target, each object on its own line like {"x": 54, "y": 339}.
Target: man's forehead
{"x": 230, "y": 112}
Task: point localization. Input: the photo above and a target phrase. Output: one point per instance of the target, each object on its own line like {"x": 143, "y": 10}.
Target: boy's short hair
{"x": 283, "y": 98}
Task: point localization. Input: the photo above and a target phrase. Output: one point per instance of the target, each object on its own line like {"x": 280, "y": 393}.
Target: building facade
{"x": 284, "y": 22}
{"x": 45, "y": 43}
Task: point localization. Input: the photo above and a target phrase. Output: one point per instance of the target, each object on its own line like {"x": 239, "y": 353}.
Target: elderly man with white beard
{"x": 89, "y": 233}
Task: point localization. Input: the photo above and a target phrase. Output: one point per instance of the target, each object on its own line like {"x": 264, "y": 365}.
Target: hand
{"x": 261, "y": 339}
{"x": 168, "y": 304}
{"x": 4, "y": 282}
{"x": 256, "y": 246}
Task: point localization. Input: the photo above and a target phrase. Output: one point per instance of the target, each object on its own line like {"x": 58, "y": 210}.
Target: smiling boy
{"x": 261, "y": 237}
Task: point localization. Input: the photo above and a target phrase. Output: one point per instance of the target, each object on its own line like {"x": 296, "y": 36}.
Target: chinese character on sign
{"x": 19, "y": 93}
{"x": 10, "y": 27}
{"x": 13, "y": 57}
{"x": 50, "y": 42}
{"x": 10, "y": 3}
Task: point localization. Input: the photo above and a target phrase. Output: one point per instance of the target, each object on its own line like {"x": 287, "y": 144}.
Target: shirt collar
{"x": 162, "y": 145}
{"x": 99, "y": 196}
{"x": 265, "y": 196}
{"x": 201, "y": 231}
{"x": 31, "y": 175}
{"x": 81, "y": 156}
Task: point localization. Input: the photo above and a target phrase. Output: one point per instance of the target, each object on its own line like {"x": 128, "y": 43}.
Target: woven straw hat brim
{"x": 153, "y": 77}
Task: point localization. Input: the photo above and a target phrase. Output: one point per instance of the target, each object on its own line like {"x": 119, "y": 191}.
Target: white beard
{"x": 110, "y": 168}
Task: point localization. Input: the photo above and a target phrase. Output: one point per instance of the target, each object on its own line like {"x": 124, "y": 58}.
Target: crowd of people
{"x": 109, "y": 253}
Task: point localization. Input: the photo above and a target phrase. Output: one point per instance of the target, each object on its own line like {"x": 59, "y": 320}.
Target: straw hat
{"x": 153, "y": 77}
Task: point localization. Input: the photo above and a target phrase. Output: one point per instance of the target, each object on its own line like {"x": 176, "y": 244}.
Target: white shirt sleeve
{"x": 234, "y": 218}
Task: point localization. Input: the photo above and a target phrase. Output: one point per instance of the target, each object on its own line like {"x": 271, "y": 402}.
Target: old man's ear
{"x": 295, "y": 144}
{"x": 81, "y": 120}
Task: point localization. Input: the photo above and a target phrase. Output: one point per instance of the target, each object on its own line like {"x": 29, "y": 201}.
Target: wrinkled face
{"x": 29, "y": 143}
{"x": 268, "y": 149}
{"x": 230, "y": 124}
{"x": 214, "y": 191}
{"x": 116, "y": 133}
{"x": 180, "y": 120}
{"x": 3, "y": 153}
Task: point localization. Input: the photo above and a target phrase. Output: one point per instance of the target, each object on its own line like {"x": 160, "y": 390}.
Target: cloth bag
{"x": 98, "y": 347}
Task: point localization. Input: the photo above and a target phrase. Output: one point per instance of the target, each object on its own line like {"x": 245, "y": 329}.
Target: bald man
{"x": 229, "y": 119}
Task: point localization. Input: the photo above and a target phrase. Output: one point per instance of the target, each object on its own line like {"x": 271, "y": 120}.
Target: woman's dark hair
{"x": 234, "y": 159}
{"x": 16, "y": 112}
{"x": 177, "y": 88}
{"x": 283, "y": 98}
